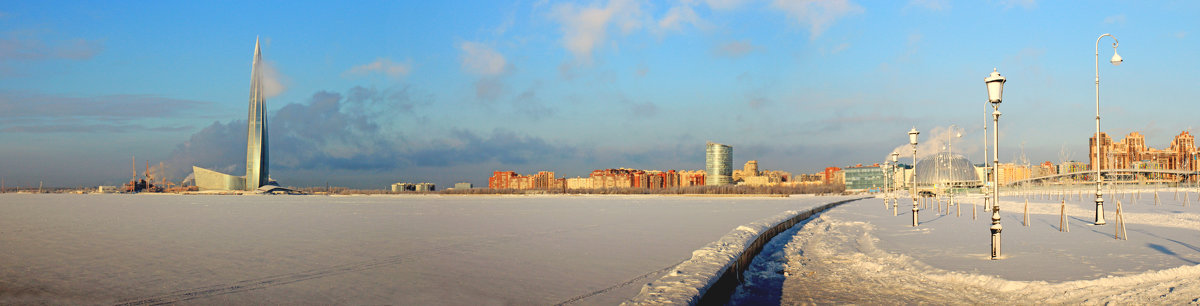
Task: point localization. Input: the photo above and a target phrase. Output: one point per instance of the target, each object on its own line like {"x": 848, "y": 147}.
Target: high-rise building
{"x": 860, "y": 178}
{"x": 257, "y": 161}
{"x": 719, "y": 164}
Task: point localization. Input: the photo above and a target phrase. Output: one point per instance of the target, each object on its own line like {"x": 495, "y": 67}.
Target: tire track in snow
{"x": 626, "y": 283}
{"x": 288, "y": 278}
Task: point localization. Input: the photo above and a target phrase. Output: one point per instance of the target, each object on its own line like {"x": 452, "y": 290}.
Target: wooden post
{"x": 1026, "y": 212}
{"x": 1120, "y": 233}
{"x": 1062, "y": 218}
{"x": 973, "y": 210}
{"x": 1117, "y": 228}
{"x": 1155, "y": 197}
{"x": 958, "y": 210}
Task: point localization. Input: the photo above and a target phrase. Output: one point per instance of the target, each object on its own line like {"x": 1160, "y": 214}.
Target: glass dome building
{"x": 944, "y": 170}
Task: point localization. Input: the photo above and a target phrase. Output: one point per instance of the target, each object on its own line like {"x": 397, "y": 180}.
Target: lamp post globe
{"x": 1116, "y": 59}
{"x": 912, "y": 136}
{"x": 995, "y": 86}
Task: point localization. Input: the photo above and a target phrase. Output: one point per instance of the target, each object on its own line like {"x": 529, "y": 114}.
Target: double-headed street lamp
{"x": 895, "y": 162}
{"x": 1116, "y": 60}
{"x": 995, "y": 89}
{"x": 912, "y": 139}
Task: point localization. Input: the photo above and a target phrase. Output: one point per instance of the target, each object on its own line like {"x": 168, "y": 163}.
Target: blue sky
{"x": 369, "y": 93}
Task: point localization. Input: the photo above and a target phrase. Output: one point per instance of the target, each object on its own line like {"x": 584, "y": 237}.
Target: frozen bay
{"x": 105, "y": 249}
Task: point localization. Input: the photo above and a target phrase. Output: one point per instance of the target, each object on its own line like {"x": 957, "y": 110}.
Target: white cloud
{"x": 817, "y": 14}
{"x": 272, "y": 81}
{"x": 1181, "y": 34}
{"x": 586, "y": 28}
{"x": 382, "y": 65}
{"x": 481, "y": 60}
{"x": 676, "y": 17}
{"x": 1117, "y": 19}
{"x": 29, "y": 45}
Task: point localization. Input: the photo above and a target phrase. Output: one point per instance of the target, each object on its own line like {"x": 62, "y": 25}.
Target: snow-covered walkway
{"x": 860, "y": 253}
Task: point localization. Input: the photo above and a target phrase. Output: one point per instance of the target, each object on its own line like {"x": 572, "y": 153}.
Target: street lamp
{"x": 995, "y": 89}
{"x": 912, "y": 139}
{"x": 886, "y": 191}
{"x": 950, "y": 164}
{"x": 1116, "y": 61}
{"x": 895, "y": 162}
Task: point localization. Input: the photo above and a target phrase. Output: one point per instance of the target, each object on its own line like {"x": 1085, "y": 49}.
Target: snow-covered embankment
{"x": 712, "y": 271}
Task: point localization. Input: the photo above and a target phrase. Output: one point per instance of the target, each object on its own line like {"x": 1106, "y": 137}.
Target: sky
{"x": 364, "y": 94}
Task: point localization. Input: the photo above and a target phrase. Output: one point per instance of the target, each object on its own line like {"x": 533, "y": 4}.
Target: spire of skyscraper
{"x": 256, "y": 140}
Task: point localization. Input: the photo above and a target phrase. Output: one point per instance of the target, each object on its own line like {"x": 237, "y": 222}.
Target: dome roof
{"x": 945, "y": 167}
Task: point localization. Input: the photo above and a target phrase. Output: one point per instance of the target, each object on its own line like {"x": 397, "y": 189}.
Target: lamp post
{"x": 995, "y": 89}
{"x": 949, "y": 164}
{"x": 985, "y": 157}
{"x": 1116, "y": 60}
{"x": 895, "y": 162}
{"x": 886, "y": 191}
{"x": 912, "y": 139}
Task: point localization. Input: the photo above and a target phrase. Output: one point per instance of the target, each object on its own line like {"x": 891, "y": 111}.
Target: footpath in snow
{"x": 861, "y": 253}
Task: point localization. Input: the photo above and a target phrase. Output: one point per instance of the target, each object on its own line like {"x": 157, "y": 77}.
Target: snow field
{"x": 860, "y": 253}
{"x": 415, "y": 250}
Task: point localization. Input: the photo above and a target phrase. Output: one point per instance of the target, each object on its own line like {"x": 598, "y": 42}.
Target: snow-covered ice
{"x": 860, "y": 253}
{"x": 415, "y": 250}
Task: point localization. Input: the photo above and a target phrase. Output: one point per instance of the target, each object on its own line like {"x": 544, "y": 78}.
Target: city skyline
{"x": 382, "y": 92}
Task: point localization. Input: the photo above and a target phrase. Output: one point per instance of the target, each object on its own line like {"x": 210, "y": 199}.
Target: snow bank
{"x": 689, "y": 281}
{"x": 859, "y": 254}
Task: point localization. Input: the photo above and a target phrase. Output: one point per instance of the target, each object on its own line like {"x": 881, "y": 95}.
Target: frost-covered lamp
{"x": 895, "y": 162}
{"x": 995, "y": 91}
{"x": 912, "y": 139}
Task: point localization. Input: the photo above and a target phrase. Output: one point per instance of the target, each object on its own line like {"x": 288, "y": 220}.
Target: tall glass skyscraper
{"x": 719, "y": 164}
{"x": 257, "y": 157}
